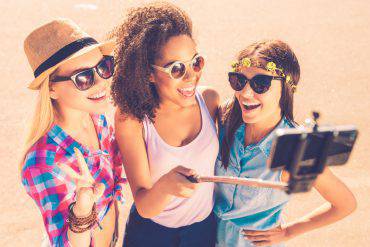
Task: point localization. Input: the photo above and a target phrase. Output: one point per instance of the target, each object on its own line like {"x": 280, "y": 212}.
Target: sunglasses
{"x": 85, "y": 79}
{"x": 259, "y": 83}
{"x": 177, "y": 69}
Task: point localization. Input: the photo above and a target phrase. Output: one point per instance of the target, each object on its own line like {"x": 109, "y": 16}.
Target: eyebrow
{"x": 168, "y": 64}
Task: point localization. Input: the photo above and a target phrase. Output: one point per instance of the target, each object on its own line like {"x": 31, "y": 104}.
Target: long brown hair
{"x": 270, "y": 51}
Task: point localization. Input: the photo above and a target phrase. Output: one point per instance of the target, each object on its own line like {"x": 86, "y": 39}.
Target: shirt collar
{"x": 266, "y": 143}
{"x": 65, "y": 141}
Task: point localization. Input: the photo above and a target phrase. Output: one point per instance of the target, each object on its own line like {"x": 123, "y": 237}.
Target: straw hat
{"x": 56, "y": 42}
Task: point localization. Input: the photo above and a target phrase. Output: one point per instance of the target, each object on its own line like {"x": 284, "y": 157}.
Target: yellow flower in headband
{"x": 271, "y": 66}
{"x": 246, "y": 62}
{"x": 234, "y": 64}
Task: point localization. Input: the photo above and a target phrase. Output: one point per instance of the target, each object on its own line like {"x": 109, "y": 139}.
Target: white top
{"x": 200, "y": 155}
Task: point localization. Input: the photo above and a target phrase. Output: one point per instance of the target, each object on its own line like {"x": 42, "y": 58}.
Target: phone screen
{"x": 337, "y": 149}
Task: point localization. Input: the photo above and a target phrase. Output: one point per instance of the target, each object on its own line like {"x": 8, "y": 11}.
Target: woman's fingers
{"x": 82, "y": 183}
{"x": 82, "y": 179}
{"x": 83, "y": 166}
{"x": 259, "y": 233}
{"x": 98, "y": 191}
{"x": 261, "y": 243}
{"x": 81, "y": 162}
{"x": 69, "y": 171}
{"x": 79, "y": 180}
{"x": 257, "y": 238}
{"x": 185, "y": 171}
{"x": 255, "y": 233}
{"x": 263, "y": 238}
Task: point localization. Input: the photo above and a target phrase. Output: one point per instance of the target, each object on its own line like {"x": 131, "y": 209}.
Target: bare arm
{"x": 150, "y": 199}
{"x": 341, "y": 203}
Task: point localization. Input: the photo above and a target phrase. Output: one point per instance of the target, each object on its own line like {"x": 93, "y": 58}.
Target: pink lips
{"x": 186, "y": 93}
{"x": 98, "y": 99}
{"x": 251, "y": 107}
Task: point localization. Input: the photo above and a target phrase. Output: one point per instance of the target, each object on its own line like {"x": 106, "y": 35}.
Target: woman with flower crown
{"x": 264, "y": 79}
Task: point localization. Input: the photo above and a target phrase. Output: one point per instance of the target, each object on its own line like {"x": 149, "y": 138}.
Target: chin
{"x": 185, "y": 101}
{"x": 251, "y": 117}
{"x": 250, "y": 120}
{"x": 188, "y": 101}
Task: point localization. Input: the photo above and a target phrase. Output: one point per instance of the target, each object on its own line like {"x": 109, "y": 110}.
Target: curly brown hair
{"x": 139, "y": 40}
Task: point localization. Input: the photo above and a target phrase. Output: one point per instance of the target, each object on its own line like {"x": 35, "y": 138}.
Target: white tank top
{"x": 200, "y": 155}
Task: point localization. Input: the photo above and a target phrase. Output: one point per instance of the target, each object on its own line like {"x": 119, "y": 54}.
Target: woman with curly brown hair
{"x": 165, "y": 128}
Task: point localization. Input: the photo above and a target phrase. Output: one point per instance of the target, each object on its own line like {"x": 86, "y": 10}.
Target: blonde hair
{"x": 43, "y": 119}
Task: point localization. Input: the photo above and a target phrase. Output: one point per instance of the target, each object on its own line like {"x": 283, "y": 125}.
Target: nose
{"x": 247, "y": 91}
{"x": 189, "y": 73}
{"x": 99, "y": 81}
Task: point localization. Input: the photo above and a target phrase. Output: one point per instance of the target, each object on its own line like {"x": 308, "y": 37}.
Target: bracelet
{"x": 81, "y": 224}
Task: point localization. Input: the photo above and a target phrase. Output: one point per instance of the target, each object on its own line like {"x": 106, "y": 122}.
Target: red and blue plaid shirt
{"x": 53, "y": 190}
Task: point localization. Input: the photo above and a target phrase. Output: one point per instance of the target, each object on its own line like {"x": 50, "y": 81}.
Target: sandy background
{"x": 330, "y": 38}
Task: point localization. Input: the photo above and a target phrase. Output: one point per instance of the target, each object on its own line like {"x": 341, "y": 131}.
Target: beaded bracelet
{"x": 81, "y": 224}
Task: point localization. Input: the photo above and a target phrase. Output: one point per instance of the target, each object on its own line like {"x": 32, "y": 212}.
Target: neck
{"x": 72, "y": 120}
{"x": 255, "y": 132}
{"x": 167, "y": 105}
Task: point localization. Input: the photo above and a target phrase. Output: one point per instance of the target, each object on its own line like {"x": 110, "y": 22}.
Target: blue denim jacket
{"x": 242, "y": 207}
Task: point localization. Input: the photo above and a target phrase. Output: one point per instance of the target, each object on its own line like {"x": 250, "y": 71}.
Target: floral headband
{"x": 270, "y": 66}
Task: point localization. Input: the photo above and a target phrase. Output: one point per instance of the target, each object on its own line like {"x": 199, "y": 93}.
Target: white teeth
{"x": 188, "y": 89}
{"x": 250, "y": 104}
{"x": 98, "y": 95}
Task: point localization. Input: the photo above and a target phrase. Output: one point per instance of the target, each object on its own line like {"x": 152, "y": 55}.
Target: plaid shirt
{"x": 53, "y": 190}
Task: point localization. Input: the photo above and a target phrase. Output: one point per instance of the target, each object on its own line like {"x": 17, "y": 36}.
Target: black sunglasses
{"x": 259, "y": 83}
{"x": 85, "y": 79}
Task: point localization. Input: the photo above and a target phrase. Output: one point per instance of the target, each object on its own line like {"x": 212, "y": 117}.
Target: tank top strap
{"x": 147, "y": 124}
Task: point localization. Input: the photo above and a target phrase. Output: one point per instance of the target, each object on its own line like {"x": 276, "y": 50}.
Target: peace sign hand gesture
{"x": 87, "y": 190}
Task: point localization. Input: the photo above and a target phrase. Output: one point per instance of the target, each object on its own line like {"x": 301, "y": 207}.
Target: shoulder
{"x": 210, "y": 95}
{"x": 126, "y": 124}
{"x": 211, "y": 98}
{"x": 41, "y": 154}
{"x": 39, "y": 162}
{"x": 224, "y": 107}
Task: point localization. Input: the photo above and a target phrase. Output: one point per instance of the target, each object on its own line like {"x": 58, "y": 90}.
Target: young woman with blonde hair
{"x": 71, "y": 167}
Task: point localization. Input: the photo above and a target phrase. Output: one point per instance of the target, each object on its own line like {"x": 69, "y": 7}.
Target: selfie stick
{"x": 301, "y": 177}
{"x": 239, "y": 181}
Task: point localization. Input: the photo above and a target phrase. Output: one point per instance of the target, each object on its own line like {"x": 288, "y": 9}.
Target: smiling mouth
{"x": 98, "y": 96}
{"x": 250, "y": 107}
{"x": 187, "y": 92}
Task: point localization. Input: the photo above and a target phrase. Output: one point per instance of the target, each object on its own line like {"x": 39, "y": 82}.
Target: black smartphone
{"x": 310, "y": 149}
